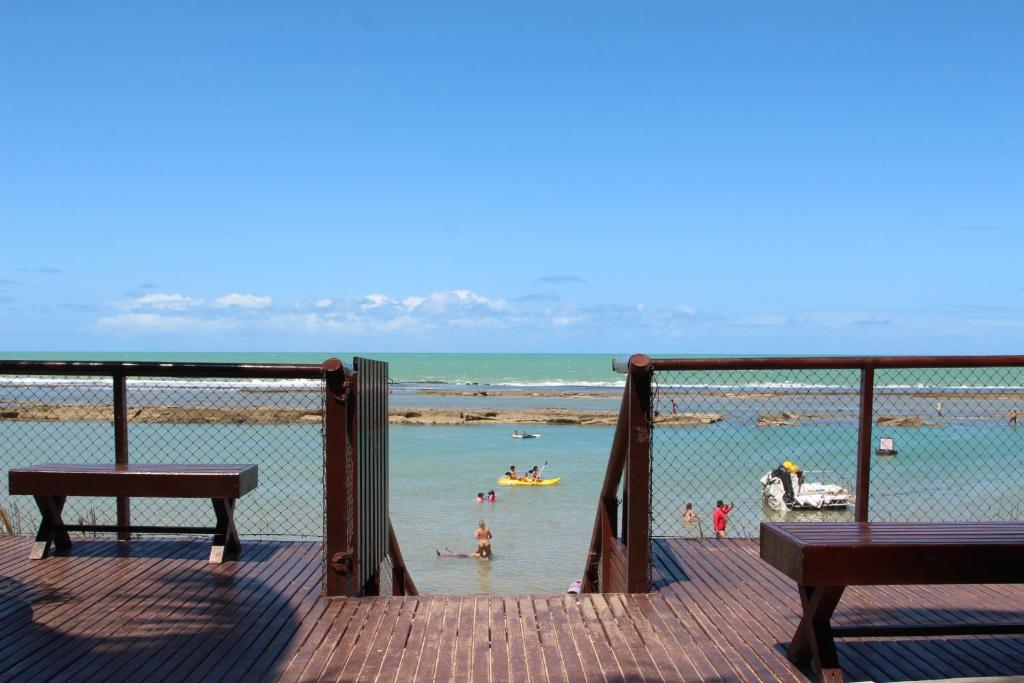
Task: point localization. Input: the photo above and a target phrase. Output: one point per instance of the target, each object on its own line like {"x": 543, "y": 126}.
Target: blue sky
{"x": 740, "y": 177}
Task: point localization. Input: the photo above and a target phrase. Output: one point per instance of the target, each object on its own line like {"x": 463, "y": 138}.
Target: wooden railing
{"x": 618, "y": 558}
{"x": 355, "y": 454}
{"x": 620, "y": 562}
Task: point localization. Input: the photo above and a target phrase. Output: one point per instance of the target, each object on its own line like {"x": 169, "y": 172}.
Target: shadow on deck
{"x": 155, "y": 610}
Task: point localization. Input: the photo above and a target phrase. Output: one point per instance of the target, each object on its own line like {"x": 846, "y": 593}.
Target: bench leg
{"x": 50, "y": 508}
{"x": 813, "y": 638}
{"x": 225, "y": 538}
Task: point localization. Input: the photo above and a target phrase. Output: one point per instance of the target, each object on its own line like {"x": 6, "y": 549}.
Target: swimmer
{"x": 480, "y": 497}
{"x": 491, "y": 496}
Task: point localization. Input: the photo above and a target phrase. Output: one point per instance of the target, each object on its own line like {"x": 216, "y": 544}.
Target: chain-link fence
{"x": 274, "y": 424}
{"x": 723, "y": 435}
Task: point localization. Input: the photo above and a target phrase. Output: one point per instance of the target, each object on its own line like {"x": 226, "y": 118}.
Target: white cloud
{"x": 413, "y": 301}
{"x": 243, "y": 301}
{"x": 155, "y": 322}
{"x": 164, "y": 302}
{"x": 375, "y": 301}
{"x": 323, "y": 303}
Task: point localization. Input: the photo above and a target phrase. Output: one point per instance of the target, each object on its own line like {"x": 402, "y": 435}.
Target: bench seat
{"x": 823, "y": 558}
{"x": 52, "y": 483}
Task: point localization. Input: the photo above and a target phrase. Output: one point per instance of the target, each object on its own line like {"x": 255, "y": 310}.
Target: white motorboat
{"x": 524, "y": 435}
{"x": 800, "y": 494}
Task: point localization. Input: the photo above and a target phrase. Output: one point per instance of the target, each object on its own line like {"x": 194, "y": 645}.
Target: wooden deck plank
{"x": 480, "y": 655}
{"x": 685, "y": 602}
{"x": 289, "y": 628}
{"x": 361, "y": 647}
{"x": 302, "y": 651}
{"x": 268, "y": 614}
{"x": 71, "y": 618}
{"x": 568, "y": 648}
{"x": 228, "y": 605}
{"x": 534, "y": 655}
{"x": 155, "y": 610}
{"x": 185, "y": 606}
{"x": 387, "y": 635}
{"x": 400, "y": 639}
{"x": 327, "y": 662}
{"x": 599, "y": 639}
{"x": 462, "y": 661}
{"x": 444, "y": 667}
{"x": 500, "y": 670}
{"x": 550, "y": 649}
{"x": 517, "y": 654}
{"x": 627, "y": 659}
{"x": 583, "y": 642}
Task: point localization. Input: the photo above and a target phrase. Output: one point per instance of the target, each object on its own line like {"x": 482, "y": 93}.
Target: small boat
{"x": 524, "y": 435}
{"x": 784, "y": 491}
{"x": 505, "y": 481}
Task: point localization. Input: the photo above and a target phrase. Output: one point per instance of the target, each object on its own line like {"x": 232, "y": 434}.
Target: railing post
{"x": 339, "y": 482}
{"x": 867, "y": 394}
{"x": 124, "y": 516}
{"x": 637, "y": 525}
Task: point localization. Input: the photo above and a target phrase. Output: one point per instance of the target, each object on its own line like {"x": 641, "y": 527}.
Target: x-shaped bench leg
{"x": 225, "y": 538}
{"x": 50, "y": 508}
{"x": 813, "y": 637}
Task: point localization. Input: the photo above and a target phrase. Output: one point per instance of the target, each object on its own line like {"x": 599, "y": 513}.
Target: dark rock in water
{"x": 411, "y": 413}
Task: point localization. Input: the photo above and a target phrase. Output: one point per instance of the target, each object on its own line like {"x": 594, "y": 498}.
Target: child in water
{"x": 480, "y": 497}
{"x": 491, "y": 497}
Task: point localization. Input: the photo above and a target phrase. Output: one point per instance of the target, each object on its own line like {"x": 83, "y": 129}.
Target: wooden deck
{"x": 156, "y": 611}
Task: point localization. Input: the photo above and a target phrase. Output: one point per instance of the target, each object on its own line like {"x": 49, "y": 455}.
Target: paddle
{"x": 540, "y": 478}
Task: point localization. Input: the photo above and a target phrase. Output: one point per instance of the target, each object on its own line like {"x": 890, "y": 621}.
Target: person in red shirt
{"x": 720, "y": 517}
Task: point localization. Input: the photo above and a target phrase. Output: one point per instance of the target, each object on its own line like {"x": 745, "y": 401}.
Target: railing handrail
{"x": 629, "y": 465}
{"x": 835, "y": 362}
{"x": 168, "y": 369}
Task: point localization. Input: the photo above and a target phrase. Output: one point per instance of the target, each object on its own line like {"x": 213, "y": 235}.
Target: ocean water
{"x": 968, "y": 466}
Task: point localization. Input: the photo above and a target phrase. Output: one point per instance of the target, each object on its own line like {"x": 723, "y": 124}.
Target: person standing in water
{"x": 688, "y": 515}
{"x": 721, "y": 517}
{"x": 483, "y": 541}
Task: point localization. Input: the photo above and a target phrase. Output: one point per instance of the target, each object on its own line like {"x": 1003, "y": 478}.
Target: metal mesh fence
{"x": 718, "y": 434}
{"x": 275, "y": 424}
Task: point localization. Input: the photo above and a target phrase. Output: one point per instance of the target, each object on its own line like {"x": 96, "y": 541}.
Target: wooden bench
{"x": 824, "y": 558}
{"x": 51, "y": 484}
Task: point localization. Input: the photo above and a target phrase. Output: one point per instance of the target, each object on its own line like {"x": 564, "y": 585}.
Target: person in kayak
{"x": 534, "y": 474}
{"x": 512, "y": 474}
{"x": 483, "y": 540}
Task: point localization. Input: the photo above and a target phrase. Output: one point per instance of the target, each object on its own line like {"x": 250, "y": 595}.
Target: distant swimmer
{"x": 480, "y": 497}
{"x": 688, "y": 515}
{"x": 492, "y": 497}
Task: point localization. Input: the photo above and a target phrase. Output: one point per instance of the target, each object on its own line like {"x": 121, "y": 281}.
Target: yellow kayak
{"x": 505, "y": 481}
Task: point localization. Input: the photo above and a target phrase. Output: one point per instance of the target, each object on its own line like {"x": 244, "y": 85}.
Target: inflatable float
{"x": 505, "y": 481}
